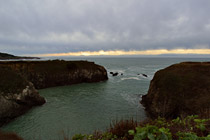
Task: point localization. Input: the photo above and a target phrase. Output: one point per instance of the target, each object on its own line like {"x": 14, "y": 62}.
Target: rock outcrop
{"x": 115, "y": 73}
{"x": 179, "y": 90}
{"x": 17, "y": 95}
{"x": 20, "y": 79}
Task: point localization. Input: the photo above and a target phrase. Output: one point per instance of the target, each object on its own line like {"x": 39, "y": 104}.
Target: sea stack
{"x": 179, "y": 90}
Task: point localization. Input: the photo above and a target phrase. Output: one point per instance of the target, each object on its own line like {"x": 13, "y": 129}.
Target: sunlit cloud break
{"x": 132, "y": 52}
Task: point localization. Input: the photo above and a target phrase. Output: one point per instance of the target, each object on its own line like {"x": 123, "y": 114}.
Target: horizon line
{"x": 130, "y": 52}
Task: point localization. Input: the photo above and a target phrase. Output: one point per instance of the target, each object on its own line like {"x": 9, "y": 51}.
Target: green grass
{"x": 189, "y": 128}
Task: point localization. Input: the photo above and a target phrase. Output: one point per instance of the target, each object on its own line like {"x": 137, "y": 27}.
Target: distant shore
{"x": 5, "y": 56}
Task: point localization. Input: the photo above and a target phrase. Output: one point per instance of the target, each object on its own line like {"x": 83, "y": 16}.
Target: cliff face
{"x": 20, "y": 79}
{"x": 44, "y": 74}
{"x": 179, "y": 90}
{"x": 17, "y": 95}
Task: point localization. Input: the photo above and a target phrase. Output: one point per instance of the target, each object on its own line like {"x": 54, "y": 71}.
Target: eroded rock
{"x": 17, "y": 95}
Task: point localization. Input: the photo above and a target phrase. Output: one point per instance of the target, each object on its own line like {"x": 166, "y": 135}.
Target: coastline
{"x": 22, "y": 78}
{"x": 128, "y": 79}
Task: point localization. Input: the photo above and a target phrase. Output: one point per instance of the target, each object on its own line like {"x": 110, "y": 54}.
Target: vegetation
{"x": 189, "y": 128}
{"x": 11, "y": 82}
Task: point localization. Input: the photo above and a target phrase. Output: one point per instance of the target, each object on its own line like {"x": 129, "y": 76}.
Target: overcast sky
{"x": 61, "y": 26}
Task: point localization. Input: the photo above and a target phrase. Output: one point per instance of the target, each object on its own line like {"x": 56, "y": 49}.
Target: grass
{"x": 192, "y": 127}
{"x": 189, "y": 128}
{"x": 121, "y": 128}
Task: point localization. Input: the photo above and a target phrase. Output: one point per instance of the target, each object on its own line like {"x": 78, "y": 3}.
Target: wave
{"x": 132, "y": 99}
{"x": 131, "y": 78}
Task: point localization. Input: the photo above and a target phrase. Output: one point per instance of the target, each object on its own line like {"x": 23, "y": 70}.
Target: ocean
{"x": 84, "y": 108}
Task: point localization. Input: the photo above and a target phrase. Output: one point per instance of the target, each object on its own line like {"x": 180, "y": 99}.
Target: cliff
{"x": 179, "y": 90}
{"x": 44, "y": 74}
{"x": 20, "y": 79}
{"x": 17, "y": 95}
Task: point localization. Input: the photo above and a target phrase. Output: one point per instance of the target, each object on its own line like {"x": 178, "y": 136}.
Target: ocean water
{"x": 86, "y": 107}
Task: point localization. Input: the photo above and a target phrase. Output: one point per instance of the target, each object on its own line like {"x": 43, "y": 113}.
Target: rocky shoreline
{"x": 21, "y": 79}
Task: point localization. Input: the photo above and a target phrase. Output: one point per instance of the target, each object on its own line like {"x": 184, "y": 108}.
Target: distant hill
{"x": 4, "y": 56}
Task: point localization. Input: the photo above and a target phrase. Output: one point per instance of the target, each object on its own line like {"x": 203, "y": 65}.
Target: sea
{"x": 88, "y": 107}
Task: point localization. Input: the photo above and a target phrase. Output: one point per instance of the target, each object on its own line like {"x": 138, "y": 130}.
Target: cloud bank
{"x": 122, "y": 52}
{"x": 61, "y": 26}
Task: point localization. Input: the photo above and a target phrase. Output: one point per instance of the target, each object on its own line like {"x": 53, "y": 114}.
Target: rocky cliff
{"x": 20, "y": 79}
{"x": 17, "y": 95}
{"x": 44, "y": 74}
{"x": 179, "y": 90}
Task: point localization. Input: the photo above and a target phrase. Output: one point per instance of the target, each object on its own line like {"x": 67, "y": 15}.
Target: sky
{"x": 104, "y": 27}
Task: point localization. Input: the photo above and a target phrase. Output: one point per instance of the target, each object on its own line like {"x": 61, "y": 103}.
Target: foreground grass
{"x": 189, "y": 128}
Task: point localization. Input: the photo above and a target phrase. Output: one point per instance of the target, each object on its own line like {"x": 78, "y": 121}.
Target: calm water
{"x": 83, "y": 108}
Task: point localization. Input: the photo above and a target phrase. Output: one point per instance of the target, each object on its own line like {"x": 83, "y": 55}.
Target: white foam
{"x": 132, "y": 99}
{"x": 131, "y": 78}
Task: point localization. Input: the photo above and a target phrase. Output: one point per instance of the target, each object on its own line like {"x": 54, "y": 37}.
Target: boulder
{"x": 115, "y": 74}
{"x": 179, "y": 90}
{"x": 144, "y": 75}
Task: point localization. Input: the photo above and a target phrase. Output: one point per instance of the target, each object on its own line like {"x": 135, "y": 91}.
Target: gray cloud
{"x": 56, "y": 26}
